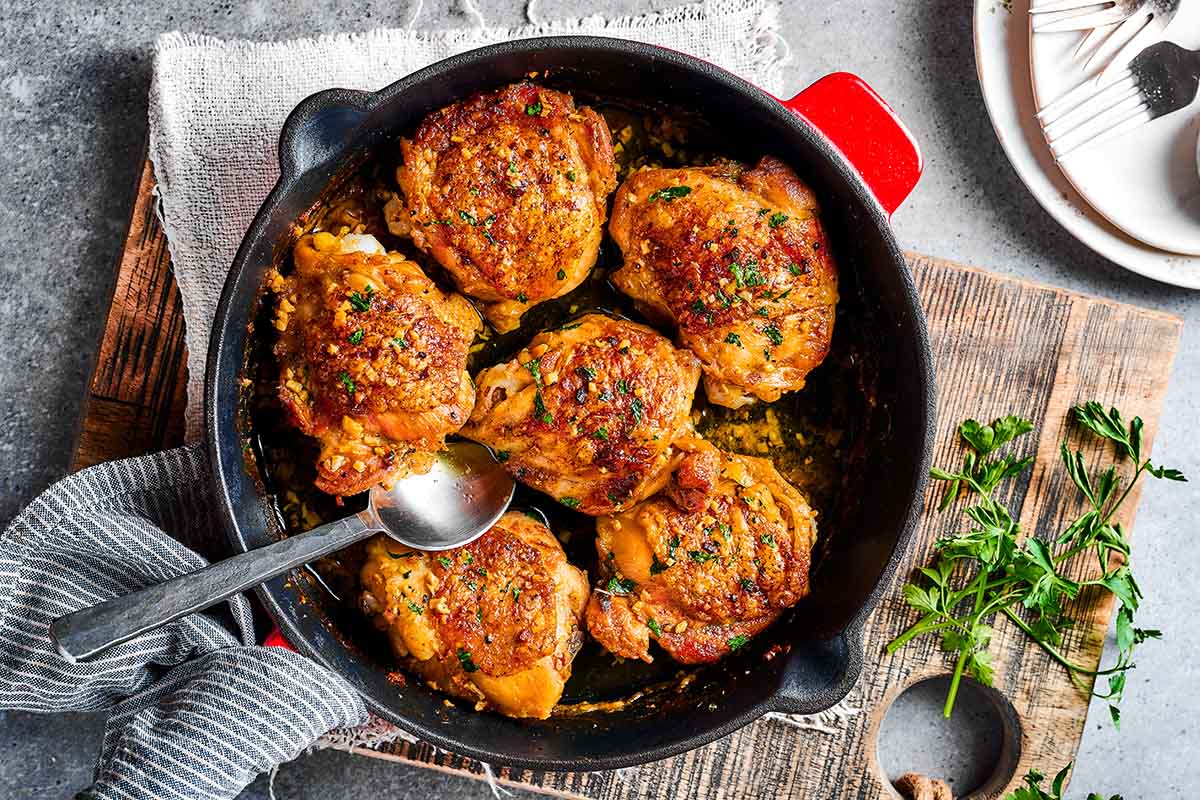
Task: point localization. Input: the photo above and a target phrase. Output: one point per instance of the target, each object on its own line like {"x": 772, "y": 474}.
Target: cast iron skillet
{"x": 821, "y": 643}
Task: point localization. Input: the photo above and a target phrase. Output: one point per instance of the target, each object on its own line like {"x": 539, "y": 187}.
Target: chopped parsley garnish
{"x": 733, "y": 338}
{"x": 502, "y": 456}
{"x": 467, "y": 218}
{"x": 535, "y": 369}
{"x": 474, "y": 192}
{"x": 670, "y": 193}
{"x": 619, "y": 586}
{"x": 522, "y": 298}
{"x": 762, "y": 312}
{"x": 767, "y": 539}
{"x": 464, "y": 658}
{"x": 623, "y": 386}
{"x": 747, "y": 274}
{"x": 762, "y": 212}
{"x": 361, "y": 301}
{"x": 569, "y": 502}
{"x": 784, "y": 295}
{"x": 512, "y": 166}
{"x": 773, "y": 333}
{"x": 635, "y": 410}
{"x": 795, "y": 270}
{"x": 672, "y": 543}
{"x": 400, "y": 555}
{"x": 698, "y": 306}
{"x": 570, "y": 327}
{"x": 539, "y": 408}
{"x": 748, "y": 585}
{"x": 445, "y": 562}
{"x": 356, "y": 337}
{"x": 399, "y": 342}
{"x": 601, "y": 434}
{"x": 346, "y": 381}
{"x": 657, "y": 566}
{"x": 416, "y": 609}
{"x": 534, "y": 109}
{"x": 562, "y": 275}
{"x": 777, "y": 219}
{"x": 516, "y": 592}
{"x": 571, "y": 175}
{"x": 737, "y": 641}
{"x": 699, "y": 556}
{"x": 653, "y": 625}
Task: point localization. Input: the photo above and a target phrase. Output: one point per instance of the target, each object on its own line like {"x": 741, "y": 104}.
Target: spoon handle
{"x": 84, "y": 633}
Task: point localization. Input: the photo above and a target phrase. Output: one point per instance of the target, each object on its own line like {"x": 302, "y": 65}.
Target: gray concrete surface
{"x": 73, "y": 82}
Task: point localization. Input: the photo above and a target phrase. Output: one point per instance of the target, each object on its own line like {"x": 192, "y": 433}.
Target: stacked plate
{"x": 1134, "y": 199}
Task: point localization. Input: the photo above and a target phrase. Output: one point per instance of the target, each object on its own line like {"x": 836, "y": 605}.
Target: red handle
{"x": 866, "y": 131}
{"x": 275, "y": 639}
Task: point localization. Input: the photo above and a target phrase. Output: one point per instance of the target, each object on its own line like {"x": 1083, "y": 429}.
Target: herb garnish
{"x": 657, "y": 566}
{"x": 539, "y": 404}
{"x": 569, "y": 502}
{"x": 733, "y": 338}
{"x": 571, "y": 175}
{"x": 777, "y": 219}
{"x": 601, "y": 433}
{"x": 361, "y": 301}
{"x": 346, "y": 381}
{"x": 464, "y": 658}
{"x": 635, "y": 411}
{"x": 669, "y": 193}
{"x": 1010, "y": 574}
{"x": 737, "y": 641}
{"x": 356, "y": 337}
{"x": 562, "y": 275}
{"x": 773, "y": 333}
{"x": 399, "y": 342}
{"x": 654, "y": 626}
{"x": 699, "y": 556}
{"x": 416, "y": 609}
{"x": 618, "y": 586}
{"x": 534, "y": 109}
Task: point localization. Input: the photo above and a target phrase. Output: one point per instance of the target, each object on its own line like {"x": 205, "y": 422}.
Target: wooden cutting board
{"x": 1000, "y": 346}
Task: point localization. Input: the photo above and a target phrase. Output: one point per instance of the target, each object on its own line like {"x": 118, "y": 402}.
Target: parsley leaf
{"x": 669, "y": 193}
{"x": 618, "y": 586}
{"x": 464, "y": 658}
{"x": 361, "y": 301}
{"x": 737, "y": 641}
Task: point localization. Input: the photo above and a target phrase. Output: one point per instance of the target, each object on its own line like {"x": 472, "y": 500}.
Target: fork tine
{"x": 1093, "y": 41}
{"x": 1134, "y": 120}
{"x": 1079, "y": 22}
{"x": 1066, "y": 5}
{"x": 1093, "y": 110}
{"x": 1082, "y": 95}
{"x": 1144, "y": 36}
{"x": 1091, "y": 127}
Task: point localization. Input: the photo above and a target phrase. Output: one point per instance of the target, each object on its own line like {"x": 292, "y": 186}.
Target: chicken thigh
{"x": 497, "y": 621}
{"x": 372, "y": 358}
{"x": 704, "y": 565}
{"x": 738, "y": 261}
{"x": 508, "y": 190}
{"x": 589, "y": 413}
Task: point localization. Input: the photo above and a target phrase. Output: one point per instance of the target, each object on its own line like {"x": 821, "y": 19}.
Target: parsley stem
{"x": 926, "y": 624}
{"x": 952, "y": 695}
{"x": 1070, "y": 666}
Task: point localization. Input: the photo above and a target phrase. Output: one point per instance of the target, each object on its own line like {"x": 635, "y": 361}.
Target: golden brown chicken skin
{"x": 737, "y": 259}
{"x": 704, "y": 565}
{"x": 508, "y": 190}
{"x": 372, "y": 359}
{"x": 589, "y": 413}
{"x": 497, "y": 621}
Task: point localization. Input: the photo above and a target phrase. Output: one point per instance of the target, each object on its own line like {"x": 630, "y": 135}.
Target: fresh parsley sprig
{"x": 1001, "y": 574}
{"x": 1032, "y": 790}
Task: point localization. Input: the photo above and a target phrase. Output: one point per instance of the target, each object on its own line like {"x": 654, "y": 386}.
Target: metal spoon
{"x": 456, "y": 502}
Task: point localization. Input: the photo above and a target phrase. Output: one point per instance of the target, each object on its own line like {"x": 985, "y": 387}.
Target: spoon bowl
{"x": 455, "y": 502}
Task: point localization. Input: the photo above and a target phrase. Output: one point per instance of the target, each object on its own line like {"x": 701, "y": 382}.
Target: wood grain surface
{"x": 1000, "y": 346}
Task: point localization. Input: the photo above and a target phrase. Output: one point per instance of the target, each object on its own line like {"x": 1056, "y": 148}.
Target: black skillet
{"x": 847, "y": 144}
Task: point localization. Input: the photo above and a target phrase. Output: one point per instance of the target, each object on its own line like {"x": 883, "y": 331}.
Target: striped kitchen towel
{"x": 196, "y": 709}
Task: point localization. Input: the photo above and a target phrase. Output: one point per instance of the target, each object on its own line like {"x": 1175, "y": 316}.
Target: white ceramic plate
{"x": 1145, "y": 181}
{"x": 1002, "y": 59}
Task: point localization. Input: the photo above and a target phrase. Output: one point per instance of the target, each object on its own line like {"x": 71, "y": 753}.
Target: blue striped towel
{"x": 196, "y": 709}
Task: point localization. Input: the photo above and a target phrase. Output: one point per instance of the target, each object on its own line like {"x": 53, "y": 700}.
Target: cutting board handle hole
{"x": 975, "y": 751}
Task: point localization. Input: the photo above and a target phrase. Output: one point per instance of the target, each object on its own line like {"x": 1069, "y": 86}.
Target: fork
{"x": 1161, "y": 79}
{"x": 1118, "y": 28}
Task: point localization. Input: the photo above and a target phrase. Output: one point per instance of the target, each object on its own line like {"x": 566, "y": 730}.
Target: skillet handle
{"x": 866, "y": 131}
{"x": 318, "y": 128}
{"x": 819, "y": 674}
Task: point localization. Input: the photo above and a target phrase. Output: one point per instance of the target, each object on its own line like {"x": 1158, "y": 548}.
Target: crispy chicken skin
{"x": 497, "y": 621}
{"x": 707, "y": 563}
{"x": 737, "y": 259}
{"x": 589, "y": 413}
{"x": 508, "y": 190}
{"x": 372, "y": 358}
